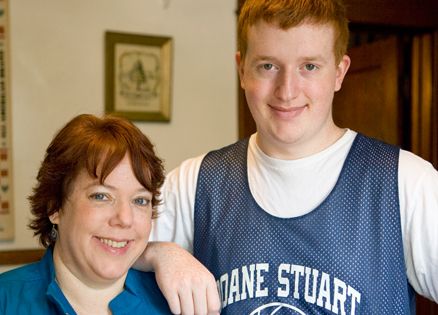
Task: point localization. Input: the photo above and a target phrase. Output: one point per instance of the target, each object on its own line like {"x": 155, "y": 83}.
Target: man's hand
{"x": 187, "y": 285}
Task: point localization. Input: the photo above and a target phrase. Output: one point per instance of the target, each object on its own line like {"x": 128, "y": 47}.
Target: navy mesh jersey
{"x": 344, "y": 257}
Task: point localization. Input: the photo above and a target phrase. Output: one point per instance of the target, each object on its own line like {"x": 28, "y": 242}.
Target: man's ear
{"x": 341, "y": 71}
{"x": 239, "y": 63}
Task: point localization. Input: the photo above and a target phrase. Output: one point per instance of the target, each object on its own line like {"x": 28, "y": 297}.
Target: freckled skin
{"x": 119, "y": 210}
{"x": 290, "y": 77}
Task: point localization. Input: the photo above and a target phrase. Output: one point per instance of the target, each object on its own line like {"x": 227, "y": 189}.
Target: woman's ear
{"x": 54, "y": 217}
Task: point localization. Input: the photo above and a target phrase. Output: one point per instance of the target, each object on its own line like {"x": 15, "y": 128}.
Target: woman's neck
{"x": 85, "y": 296}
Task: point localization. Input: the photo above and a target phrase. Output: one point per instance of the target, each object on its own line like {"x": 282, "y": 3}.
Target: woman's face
{"x": 103, "y": 229}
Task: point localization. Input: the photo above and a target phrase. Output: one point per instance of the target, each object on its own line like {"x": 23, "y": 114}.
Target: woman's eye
{"x": 99, "y": 196}
{"x": 310, "y": 67}
{"x": 142, "y": 201}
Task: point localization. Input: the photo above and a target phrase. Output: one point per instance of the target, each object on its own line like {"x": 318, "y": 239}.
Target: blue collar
{"x": 129, "y": 298}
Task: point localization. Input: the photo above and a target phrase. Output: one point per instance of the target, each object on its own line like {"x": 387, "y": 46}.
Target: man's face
{"x": 289, "y": 78}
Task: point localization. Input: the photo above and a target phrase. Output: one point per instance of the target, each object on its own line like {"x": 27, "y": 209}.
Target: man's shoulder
{"x": 239, "y": 144}
{"x": 190, "y": 166}
{"x": 227, "y": 154}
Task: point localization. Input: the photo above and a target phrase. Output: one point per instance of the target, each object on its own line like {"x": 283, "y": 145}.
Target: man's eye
{"x": 99, "y": 196}
{"x": 310, "y": 67}
{"x": 142, "y": 201}
{"x": 268, "y": 66}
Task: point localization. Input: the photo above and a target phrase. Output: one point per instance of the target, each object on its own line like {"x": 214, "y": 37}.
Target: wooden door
{"x": 401, "y": 128}
{"x": 369, "y": 101}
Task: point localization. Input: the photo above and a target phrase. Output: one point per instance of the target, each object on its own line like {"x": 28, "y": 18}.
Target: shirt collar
{"x": 130, "y": 297}
{"x": 133, "y": 292}
{"x": 54, "y": 293}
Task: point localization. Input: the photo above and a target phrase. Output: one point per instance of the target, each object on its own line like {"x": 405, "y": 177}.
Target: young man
{"x": 305, "y": 217}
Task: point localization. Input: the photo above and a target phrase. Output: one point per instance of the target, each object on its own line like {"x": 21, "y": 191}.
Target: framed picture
{"x": 7, "y": 219}
{"x": 138, "y": 76}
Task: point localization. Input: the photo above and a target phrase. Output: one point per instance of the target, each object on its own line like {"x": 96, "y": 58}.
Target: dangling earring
{"x": 54, "y": 233}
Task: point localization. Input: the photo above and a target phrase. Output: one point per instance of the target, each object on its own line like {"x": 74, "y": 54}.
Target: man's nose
{"x": 288, "y": 86}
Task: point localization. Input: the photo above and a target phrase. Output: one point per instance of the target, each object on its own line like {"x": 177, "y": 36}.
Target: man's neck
{"x": 301, "y": 148}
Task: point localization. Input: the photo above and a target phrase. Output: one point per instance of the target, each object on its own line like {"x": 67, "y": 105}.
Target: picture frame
{"x": 138, "y": 75}
{"x": 7, "y": 211}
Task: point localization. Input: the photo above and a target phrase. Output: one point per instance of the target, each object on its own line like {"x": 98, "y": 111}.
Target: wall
{"x": 57, "y": 72}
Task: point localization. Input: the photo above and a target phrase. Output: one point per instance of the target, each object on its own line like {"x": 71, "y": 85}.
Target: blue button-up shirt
{"x": 32, "y": 289}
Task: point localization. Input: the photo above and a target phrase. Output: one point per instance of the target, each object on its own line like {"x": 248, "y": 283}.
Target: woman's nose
{"x": 123, "y": 215}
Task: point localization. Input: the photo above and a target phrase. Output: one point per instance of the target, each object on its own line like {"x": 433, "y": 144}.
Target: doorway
{"x": 390, "y": 92}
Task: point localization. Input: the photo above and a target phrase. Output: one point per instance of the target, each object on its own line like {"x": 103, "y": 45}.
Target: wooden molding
{"x": 409, "y": 13}
{"x": 19, "y": 257}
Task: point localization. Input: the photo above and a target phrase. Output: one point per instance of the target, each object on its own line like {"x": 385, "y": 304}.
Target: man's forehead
{"x": 263, "y": 33}
{"x": 308, "y": 41}
{"x": 262, "y": 24}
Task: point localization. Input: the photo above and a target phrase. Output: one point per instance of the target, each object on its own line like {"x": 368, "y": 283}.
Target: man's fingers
{"x": 213, "y": 299}
{"x": 200, "y": 300}
{"x": 186, "y": 301}
{"x": 187, "y": 285}
{"x": 174, "y": 303}
{"x": 197, "y": 296}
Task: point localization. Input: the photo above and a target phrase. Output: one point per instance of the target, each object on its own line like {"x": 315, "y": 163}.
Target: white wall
{"x": 57, "y": 59}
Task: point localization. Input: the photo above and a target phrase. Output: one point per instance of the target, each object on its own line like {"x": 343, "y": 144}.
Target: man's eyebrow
{"x": 265, "y": 58}
{"x": 310, "y": 58}
{"x": 314, "y": 58}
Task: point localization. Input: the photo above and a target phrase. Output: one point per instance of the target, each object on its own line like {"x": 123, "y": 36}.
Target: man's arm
{"x": 418, "y": 189}
{"x": 187, "y": 285}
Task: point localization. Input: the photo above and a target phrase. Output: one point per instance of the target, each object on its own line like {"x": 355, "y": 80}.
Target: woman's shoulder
{"x": 144, "y": 284}
{"x": 142, "y": 281}
{"x": 23, "y": 291}
{"x": 23, "y": 274}
{"x": 27, "y": 280}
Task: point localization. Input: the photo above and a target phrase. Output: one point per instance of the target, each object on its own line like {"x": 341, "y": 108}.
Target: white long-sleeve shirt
{"x": 311, "y": 179}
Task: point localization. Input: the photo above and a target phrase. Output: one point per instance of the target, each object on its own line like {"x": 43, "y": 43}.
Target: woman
{"x": 96, "y": 194}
